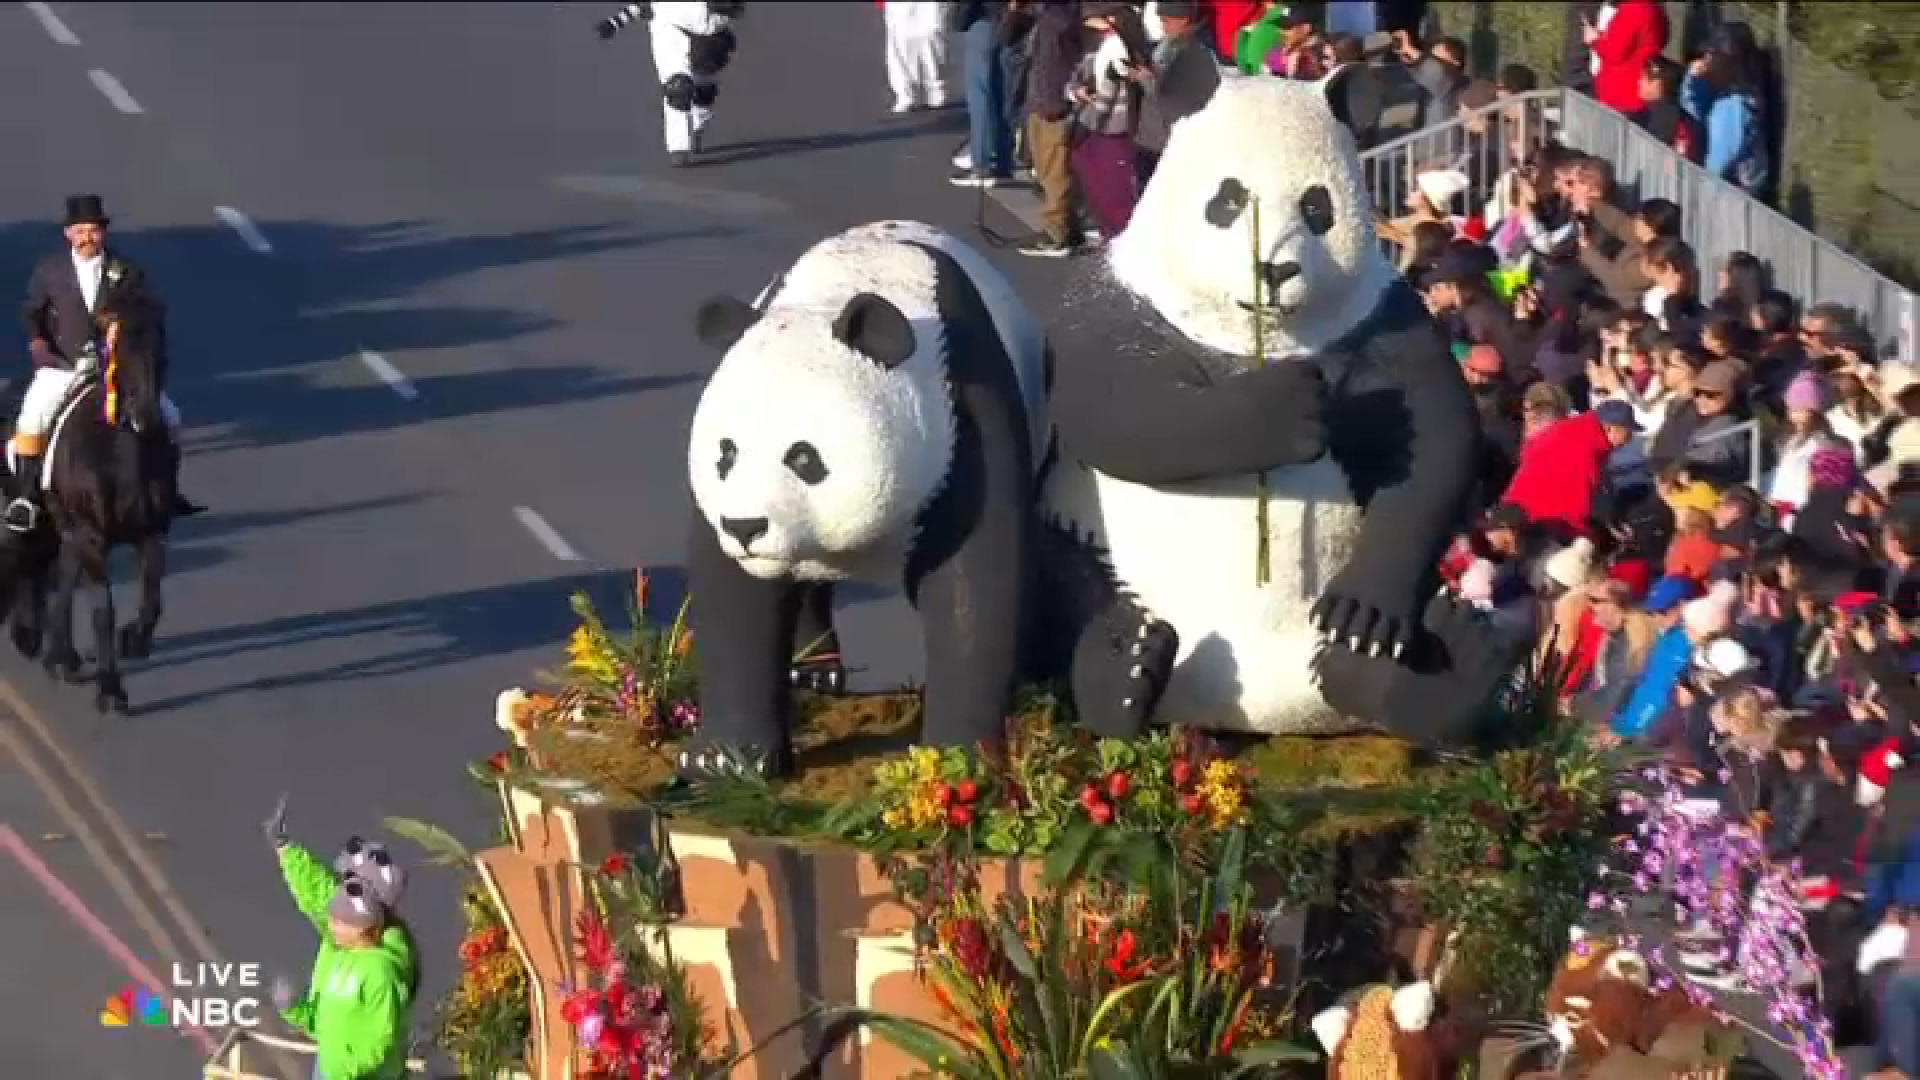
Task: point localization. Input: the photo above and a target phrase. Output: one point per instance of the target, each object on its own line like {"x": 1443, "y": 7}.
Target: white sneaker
{"x": 971, "y": 179}
{"x": 901, "y": 108}
{"x": 963, "y": 158}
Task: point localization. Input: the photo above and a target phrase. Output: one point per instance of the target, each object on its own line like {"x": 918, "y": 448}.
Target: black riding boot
{"x": 24, "y": 511}
{"x": 182, "y": 506}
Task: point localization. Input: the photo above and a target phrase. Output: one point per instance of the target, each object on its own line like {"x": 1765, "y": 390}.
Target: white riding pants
{"x": 916, "y": 52}
{"x": 40, "y": 408}
{"x": 670, "y": 58}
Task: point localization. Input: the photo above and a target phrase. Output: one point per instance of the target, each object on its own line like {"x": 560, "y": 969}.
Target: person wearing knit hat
{"x": 1807, "y": 433}
{"x": 1667, "y": 595}
{"x": 365, "y": 975}
{"x": 1571, "y": 566}
{"x": 1698, "y": 495}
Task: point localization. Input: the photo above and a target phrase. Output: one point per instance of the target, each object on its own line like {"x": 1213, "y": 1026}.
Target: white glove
{"x": 88, "y": 363}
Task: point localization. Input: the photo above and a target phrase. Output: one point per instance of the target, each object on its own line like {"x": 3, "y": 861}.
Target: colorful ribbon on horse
{"x": 110, "y": 385}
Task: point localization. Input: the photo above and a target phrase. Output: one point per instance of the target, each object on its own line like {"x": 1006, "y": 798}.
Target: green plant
{"x": 1507, "y": 854}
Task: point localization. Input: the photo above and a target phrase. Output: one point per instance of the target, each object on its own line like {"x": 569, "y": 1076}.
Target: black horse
{"x": 111, "y": 483}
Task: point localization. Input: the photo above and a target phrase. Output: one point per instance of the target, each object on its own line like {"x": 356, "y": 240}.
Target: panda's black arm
{"x": 970, "y": 569}
{"x": 1405, "y": 431}
{"x": 1142, "y": 418}
{"x": 746, "y": 627}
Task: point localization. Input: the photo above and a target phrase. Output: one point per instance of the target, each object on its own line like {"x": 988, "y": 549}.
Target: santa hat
{"x": 1876, "y": 769}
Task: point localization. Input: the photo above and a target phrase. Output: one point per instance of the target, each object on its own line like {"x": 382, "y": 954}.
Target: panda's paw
{"x": 1120, "y": 669}
{"x": 1366, "y": 613}
{"x": 1462, "y": 684}
{"x": 712, "y": 762}
{"x": 820, "y": 675}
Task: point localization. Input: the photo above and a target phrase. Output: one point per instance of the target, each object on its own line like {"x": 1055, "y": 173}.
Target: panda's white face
{"x": 1258, "y": 205}
{"x": 822, "y": 434}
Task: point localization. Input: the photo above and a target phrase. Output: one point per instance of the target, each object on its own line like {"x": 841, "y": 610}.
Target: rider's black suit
{"x": 56, "y": 311}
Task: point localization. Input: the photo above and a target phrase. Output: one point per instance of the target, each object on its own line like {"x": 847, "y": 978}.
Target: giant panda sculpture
{"x": 1359, "y": 419}
{"x": 879, "y": 415}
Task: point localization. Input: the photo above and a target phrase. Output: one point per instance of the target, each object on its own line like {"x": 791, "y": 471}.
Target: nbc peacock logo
{"x": 131, "y": 1005}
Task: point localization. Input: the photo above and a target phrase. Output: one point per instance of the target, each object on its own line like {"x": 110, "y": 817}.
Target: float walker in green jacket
{"x": 355, "y": 1005}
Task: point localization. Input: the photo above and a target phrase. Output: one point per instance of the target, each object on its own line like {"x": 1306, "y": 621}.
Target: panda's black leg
{"x": 1442, "y": 692}
{"x": 1117, "y": 658}
{"x": 817, "y": 662}
{"x": 746, "y": 642}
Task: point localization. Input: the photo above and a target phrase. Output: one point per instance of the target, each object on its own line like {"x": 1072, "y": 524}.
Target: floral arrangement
{"x": 1048, "y": 780}
{"x": 483, "y": 1023}
{"x": 644, "y": 677}
{"x": 1099, "y": 976}
{"x": 1698, "y": 861}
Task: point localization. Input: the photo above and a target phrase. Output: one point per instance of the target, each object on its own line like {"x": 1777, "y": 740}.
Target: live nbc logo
{"x": 136, "y": 1006}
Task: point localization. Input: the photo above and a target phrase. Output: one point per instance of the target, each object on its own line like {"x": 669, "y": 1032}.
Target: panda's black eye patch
{"x": 729, "y": 453}
{"x": 806, "y": 463}
{"x": 1228, "y": 203}
{"x": 1316, "y": 210}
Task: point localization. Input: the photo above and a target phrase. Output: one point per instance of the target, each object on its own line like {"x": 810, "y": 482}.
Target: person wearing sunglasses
{"x": 365, "y": 974}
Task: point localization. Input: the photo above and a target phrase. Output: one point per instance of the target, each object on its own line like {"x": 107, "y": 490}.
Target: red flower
{"x": 1122, "y": 962}
{"x": 498, "y": 761}
{"x": 613, "y": 864}
{"x": 596, "y": 947}
{"x": 579, "y": 1005}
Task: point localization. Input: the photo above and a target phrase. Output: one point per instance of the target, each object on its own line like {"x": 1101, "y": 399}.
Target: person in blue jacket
{"x": 1722, "y": 94}
{"x": 1700, "y": 621}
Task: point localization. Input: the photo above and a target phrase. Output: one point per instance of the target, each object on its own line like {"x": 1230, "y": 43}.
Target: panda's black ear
{"x": 722, "y": 320}
{"x": 1337, "y": 89}
{"x": 871, "y": 326}
{"x": 1187, "y": 88}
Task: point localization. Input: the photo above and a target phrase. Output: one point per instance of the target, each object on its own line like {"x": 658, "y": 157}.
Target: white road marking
{"x": 115, "y": 94}
{"x": 249, "y": 233}
{"x": 547, "y": 535}
{"x": 389, "y": 374}
{"x": 51, "y": 23}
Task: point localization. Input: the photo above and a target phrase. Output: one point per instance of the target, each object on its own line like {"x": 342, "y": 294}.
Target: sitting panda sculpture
{"x": 1171, "y": 404}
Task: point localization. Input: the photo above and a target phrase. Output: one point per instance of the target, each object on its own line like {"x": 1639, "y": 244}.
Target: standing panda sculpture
{"x": 1171, "y": 404}
{"x": 879, "y": 416}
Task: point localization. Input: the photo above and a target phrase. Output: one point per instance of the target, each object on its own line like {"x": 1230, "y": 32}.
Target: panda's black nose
{"x": 745, "y": 530}
{"x": 1274, "y": 275}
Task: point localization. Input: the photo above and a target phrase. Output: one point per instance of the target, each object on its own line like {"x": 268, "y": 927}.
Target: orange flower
{"x": 1232, "y": 1034}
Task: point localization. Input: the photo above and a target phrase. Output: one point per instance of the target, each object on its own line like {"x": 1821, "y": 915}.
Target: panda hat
{"x": 370, "y": 862}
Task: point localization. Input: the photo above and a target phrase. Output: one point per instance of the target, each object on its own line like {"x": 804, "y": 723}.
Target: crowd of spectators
{"x": 1699, "y": 495}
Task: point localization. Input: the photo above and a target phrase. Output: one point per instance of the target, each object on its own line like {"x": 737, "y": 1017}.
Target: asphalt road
{"x": 436, "y": 357}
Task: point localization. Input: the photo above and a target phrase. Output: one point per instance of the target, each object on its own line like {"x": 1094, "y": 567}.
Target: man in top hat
{"x": 65, "y": 292}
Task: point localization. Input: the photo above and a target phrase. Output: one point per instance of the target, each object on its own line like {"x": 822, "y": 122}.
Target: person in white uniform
{"x": 63, "y": 295}
{"x": 692, "y": 41}
{"x": 916, "y": 54}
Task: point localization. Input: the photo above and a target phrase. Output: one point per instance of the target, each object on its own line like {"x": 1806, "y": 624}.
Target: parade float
{"x": 893, "y": 901}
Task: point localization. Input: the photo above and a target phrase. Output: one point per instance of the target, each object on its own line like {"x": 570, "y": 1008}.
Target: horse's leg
{"x": 136, "y": 638}
{"x": 109, "y": 688}
{"x": 60, "y": 658}
{"x": 27, "y": 620}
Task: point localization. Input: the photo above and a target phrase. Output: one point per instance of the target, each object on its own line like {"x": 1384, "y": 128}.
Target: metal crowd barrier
{"x": 1717, "y": 218}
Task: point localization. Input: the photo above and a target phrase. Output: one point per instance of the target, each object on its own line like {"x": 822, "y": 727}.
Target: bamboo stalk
{"x": 1263, "y": 554}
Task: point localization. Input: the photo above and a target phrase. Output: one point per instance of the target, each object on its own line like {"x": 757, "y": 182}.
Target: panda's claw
{"x": 1399, "y": 650}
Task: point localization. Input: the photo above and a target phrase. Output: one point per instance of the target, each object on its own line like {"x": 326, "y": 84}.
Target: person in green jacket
{"x": 1257, "y": 39}
{"x": 356, "y": 1002}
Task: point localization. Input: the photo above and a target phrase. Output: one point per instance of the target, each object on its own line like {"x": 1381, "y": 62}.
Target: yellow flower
{"x": 1225, "y": 797}
{"x": 895, "y": 818}
{"x": 587, "y": 655}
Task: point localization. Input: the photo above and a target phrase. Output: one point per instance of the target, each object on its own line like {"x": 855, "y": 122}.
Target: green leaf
{"x": 1114, "y": 1060}
{"x": 1267, "y": 1054}
{"x": 1017, "y": 952}
{"x": 1068, "y": 858}
{"x": 1231, "y": 866}
{"x": 442, "y": 849}
{"x": 1107, "y": 1009}
{"x": 921, "y": 1041}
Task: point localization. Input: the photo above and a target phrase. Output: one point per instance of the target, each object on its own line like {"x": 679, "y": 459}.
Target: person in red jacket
{"x": 1228, "y": 17}
{"x": 1563, "y": 469}
{"x": 1623, "y": 39}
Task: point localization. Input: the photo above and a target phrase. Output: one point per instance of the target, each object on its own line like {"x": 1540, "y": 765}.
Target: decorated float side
{"x": 1207, "y": 777}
